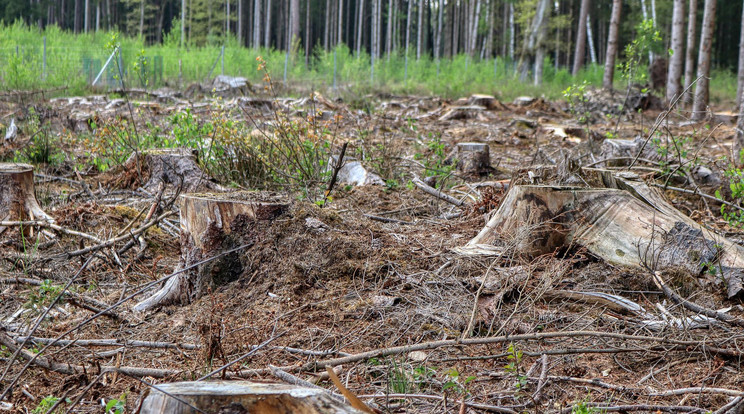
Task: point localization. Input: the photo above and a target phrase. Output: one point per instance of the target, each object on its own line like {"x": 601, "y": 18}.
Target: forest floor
{"x": 334, "y": 282}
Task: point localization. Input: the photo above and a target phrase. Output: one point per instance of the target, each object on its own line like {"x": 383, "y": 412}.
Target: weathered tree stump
{"x": 473, "y": 158}
{"x": 175, "y": 166}
{"x": 624, "y": 223}
{"x": 240, "y": 397}
{"x": 17, "y": 198}
{"x": 212, "y": 224}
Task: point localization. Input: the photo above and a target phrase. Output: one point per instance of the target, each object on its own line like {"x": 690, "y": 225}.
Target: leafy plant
{"x": 116, "y": 406}
{"x": 43, "y": 294}
{"x": 46, "y": 404}
{"x": 455, "y": 383}
{"x": 577, "y": 101}
{"x": 647, "y": 39}
{"x": 514, "y": 367}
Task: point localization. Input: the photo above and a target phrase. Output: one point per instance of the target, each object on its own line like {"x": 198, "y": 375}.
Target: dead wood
{"x": 240, "y": 397}
{"x": 176, "y": 167}
{"x": 436, "y": 193}
{"x": 721, "y": 316}
{"x": 17, "y": 197}
{"x": 624, "y": 222}
{"x": 211, "y": 224}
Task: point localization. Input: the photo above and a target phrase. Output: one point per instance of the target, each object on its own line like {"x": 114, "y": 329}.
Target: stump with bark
{"x": 622, "y": 221}
{"x": 177, "y": 167}
{"x": 17, "y": 198}
{"x": 211, "y": 225}
{"x": 239, "y": 397}
{"x": 473, "y": 158}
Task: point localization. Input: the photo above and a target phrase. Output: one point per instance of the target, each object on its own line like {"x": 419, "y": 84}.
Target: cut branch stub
{"x": 175, "y": 166}
{"x": 629, "y": 225}
{"x": 17, "y": 198}
{"x": 240, "y": 397}
{"x": 212, "y": 224}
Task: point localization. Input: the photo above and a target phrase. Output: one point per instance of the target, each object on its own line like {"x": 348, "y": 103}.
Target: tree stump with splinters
{"x": 174, "y": 166}
{"x": 212, "y": 224}
{"x": 17, "y": 197}
{"x": 239, "y": 397}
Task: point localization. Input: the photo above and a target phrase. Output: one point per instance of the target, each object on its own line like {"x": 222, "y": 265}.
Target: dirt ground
{"x": 321, "y": 284}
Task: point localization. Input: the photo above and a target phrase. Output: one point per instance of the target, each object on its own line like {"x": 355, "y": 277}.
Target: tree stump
{"x": 624, "y": 223}
{"x": 473, "y": 158}
{"x": 176, "y": 166}
{"x": 240, "y": 397}
{"x": 212, "y": 224}
{"x": 17, "y": 198}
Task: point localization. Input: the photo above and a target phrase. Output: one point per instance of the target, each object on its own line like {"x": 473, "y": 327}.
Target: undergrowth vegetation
{"x": 74, "y": 60}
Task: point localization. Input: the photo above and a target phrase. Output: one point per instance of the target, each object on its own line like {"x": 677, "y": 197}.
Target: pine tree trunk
{"x": 474, "y": 32}
{"x": 740, "y": 87}
{"x": 142, "y": 18}
{"x": 389, "y": 30}
{"x": 419, "y": 28}
{"x": 581, "y": 38}
{"x": 340, "y": 20}
{"x": 85, "y": 17}
{"x": 489, "y": 37}
{"x": 327, "y": 25}
{"x": 294, "y": 25}
{"x": 408, "y": 27}
{"x": 609, "y": 74}
{"x": 267, "y": 32}
{"x": 76, "y": 18}
{"x": 227, "y": 18}
{"x": 307, "y": 33}
{"x": 98, "y": 16}
{"x": 440, "y": 17}
{"x": 674, "y": 84}
{"x": 706, "y": 43}
{"x": 690, "y": 55}
{"x": 512, "y": 35}
{"x": 240, "y": 22}
{"x": 590, "y": 40}
{"x": 739, "y": 140}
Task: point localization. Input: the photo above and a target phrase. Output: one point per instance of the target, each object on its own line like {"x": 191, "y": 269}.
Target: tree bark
{"x": 674, "y": 78}
{"x": 739, "y": 139}
{"x": 17, "y": 197}
{"x": 740, "y": 85}
{"x": 706, "y": 43}
{"x": 690, "y": 53}
{"x": 257, "y": 24}
{"x": 339, "y": 33}
{"x": 240, "y": 22}
{"x": 408, "y": 27}
{"x": 419, "y": 28}
{"x": 612, "y": 39}
{"x": 86, "y": 16}
{"x": 213, "y": 224}
{"x": 581, "y": 38}
{"x": 590, "y": 40}
{"x": 267, "y": 32}
{"x": 142, "y": 18}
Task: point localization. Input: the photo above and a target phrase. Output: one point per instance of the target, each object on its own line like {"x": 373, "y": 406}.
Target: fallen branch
{"x": 436, "y": 193}
{"x": 108, "y": 342}
{"x": 694, "y": 307}
{"x": 698, "y": 390}
{"x": 484, "y": 407}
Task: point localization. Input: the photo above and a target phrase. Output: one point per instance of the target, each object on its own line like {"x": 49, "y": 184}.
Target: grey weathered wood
{"x": 625, "y": 223}
{"x": 237, "y": 397}
{"x": 17, "y": 198}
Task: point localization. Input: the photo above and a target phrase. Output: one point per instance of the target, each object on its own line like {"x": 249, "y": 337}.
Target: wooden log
{"x": 238, "y": 397}
{"x": 211, "y": 224}
{"x": 174, "y": 166}
{"x": 625, "y": 223}
{"x": 17, "y": 197}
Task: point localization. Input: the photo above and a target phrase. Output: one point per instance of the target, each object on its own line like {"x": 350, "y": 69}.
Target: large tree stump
{"x": 17, "y": 198}
{"x": 625, "y": 223}
{"x": 212, "y": 224}
{"x": 240, "y": 397}
{"x": 174, "y": 166}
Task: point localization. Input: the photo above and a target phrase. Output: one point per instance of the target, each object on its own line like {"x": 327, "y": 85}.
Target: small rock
{"x": 418, "y": 356}
{"x": 353, "y": 172}
{"x": 384, "y": 301}
{"x": 705, "y": 176}
{"x": 315, "y": 225}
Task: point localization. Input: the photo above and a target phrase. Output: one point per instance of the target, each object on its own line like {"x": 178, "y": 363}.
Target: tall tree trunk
{"x": 590, "y": 39}
{"x": 294, "y": 24}
{"x": 706, "y": 43}
{"x": 76, "y": 18}
{"x": 267, "y": 31}
{"x": 183, "y": 21}
{"x": 98, "y": 16}
{"x": 581, "y": 38}
{"x": 740, "y": 87}
{"x": 389, "y": 30}
{"x": 408, "y": 27}
{"x": 240, "y": 22}
{"x": 340, "y": 20}
{"x": 227, "y": 19}
{"x": 609, "y": 73}
{"x": 490, "y": 10}
{"x": 739, "y": 140}
{"x": 543, "y": 12}
{"x": 257, "y": 24}
{"x": 419, "y": 28}
{"x": 307, "y": 33}
{"x": 359, "y": 25}
{"x": 474, "y": 32}
{"x": 142, "y": 18}
{"x": 327, "y": 26}
{"x": 512, "y": 32}
{"x": 85, "y": 17}
{"x": 674, "y": 77}
{"x": 690, "y": 54}
{"x": 440, "y": 17}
